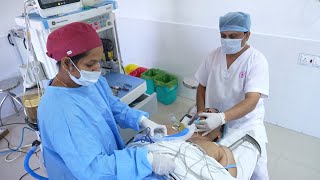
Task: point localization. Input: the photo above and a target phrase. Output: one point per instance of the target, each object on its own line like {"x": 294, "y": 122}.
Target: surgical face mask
{"x": 231, "y": 46}
{"x": 86, "y": 77}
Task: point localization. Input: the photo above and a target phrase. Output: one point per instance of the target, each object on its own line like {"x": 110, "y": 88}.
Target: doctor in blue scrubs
{"x": 78, "y": 116}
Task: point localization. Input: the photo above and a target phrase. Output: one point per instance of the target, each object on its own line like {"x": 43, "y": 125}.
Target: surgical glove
{"x": 212, "y": 121}
{"x": 161, "y": 164}
{"x": 147, "y": 123}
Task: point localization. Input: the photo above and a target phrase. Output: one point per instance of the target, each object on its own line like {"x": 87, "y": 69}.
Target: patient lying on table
{"x": 220, "y": 153}
{"x": 199, "y": 157}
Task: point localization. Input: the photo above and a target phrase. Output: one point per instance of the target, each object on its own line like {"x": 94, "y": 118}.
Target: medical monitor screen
{"x": 45, "y": 4}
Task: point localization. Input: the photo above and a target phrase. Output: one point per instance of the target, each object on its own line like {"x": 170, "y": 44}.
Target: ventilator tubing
{"x": 27, "y": 167}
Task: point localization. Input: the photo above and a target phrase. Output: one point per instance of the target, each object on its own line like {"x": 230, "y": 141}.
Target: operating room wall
{"x": 9, "y": 61}
{"x": 8, "y": 69}
{"x": 177, "y": 39}
{"x": 292, "y": 18}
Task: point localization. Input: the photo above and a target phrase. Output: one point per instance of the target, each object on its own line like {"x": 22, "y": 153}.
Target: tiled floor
{"x": 292, "y": 155}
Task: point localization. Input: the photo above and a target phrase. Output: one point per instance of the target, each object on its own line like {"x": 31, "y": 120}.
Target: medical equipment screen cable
{"x": 18, "y": 149}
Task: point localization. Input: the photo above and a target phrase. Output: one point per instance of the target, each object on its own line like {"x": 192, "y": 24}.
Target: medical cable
{"x": 215, "y": 167}
{"x": 27, "y": 35}
{"x": 182, "y": 156}
{"x": 34, "y": 69}
{"x": 172, "y": 176}
{"x": 175, "y": 155}
{"x": 28, "y": 173}
{"x": 8, "y": 145}
{"x": 26, "y": 162}
{"x": 185, "y": 162}
{"x": 7, "y": 150}
{"x": 204, "y": 153}
{"x": 189, "y": 170}
{"x": 207, "y": 164}
{"x": 18, "y": 149}
{"x": 7, "y": 156}
{"x": 4, "y": 125}
{"x": 20, "y": 152}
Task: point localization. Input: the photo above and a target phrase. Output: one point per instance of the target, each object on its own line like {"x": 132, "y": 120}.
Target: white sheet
{"x": 246, "y": 155}
{"x": 194, "y": 158}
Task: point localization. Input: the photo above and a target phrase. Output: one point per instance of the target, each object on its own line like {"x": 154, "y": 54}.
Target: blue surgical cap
{"x": 235, "y": 21}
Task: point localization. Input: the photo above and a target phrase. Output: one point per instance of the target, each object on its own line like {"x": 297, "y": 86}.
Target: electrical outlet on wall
{"x": 309, "y": 60}
{"x": 316, "y": 62}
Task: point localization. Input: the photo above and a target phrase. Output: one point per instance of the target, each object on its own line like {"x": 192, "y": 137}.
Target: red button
{"x": 96, "y": 27}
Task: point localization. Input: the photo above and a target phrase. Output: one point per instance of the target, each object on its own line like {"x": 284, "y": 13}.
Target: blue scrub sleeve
{"x": 125, "y": 116}
{"x": 86, "y": 157}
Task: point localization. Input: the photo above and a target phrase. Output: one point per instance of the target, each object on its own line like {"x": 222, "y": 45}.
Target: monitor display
{"x": 44, "y": 4}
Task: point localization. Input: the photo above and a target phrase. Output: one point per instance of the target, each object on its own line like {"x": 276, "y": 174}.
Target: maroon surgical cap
{"x": 71, "y": 40}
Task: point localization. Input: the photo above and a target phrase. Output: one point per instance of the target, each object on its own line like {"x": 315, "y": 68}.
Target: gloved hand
{"x": 212, "y": 121}
{"x": 145, "y": 122}
{"x": 161, "y": 164}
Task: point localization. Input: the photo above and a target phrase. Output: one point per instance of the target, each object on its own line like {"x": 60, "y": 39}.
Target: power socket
{"x": 309, "y": 60}
{"x": 3, "y": 133}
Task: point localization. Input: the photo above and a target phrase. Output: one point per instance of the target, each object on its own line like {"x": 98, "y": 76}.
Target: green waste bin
{"x": 150, "y": 76}
{"x": 166, "y": 88}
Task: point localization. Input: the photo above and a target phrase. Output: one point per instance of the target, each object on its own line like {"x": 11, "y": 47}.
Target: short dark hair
{"x": 75, "y": 59}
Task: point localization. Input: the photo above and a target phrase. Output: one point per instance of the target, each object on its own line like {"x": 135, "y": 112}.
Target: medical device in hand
{"x": 194, "y": 120}
{"x": 177, "y": 125}
{"x": 158, "y": 137}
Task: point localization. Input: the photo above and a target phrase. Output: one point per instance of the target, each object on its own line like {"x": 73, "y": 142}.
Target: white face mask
{"x": 231, "y": 46}
{"x": 86, "y": 77}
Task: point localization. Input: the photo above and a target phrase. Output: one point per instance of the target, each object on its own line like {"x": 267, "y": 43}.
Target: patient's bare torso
{"x": 220, "y": 153}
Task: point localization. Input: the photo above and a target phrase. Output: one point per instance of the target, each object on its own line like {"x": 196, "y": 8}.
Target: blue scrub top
{"x": 80, "y": 138}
